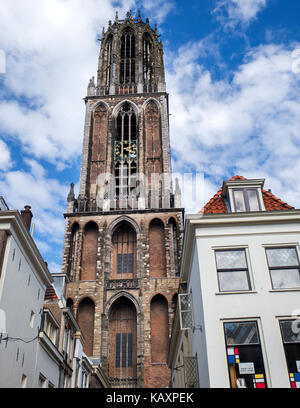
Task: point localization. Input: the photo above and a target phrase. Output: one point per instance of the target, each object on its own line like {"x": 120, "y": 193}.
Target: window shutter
{"x": 191, "y": 374}
{"x": 186, "y": 312}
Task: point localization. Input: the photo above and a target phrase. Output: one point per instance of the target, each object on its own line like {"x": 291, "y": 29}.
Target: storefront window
{"x": 290, "y": 331}
{"x": 244, "y": 355}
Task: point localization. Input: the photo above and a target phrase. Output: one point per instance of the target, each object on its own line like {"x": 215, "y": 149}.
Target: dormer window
{"x": 244, "y": 195}
{"x": 246, "y": 200}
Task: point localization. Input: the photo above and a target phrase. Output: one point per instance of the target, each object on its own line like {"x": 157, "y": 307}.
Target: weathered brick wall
{"x": 86, "y": 318}
{"x": 149, "y": 374}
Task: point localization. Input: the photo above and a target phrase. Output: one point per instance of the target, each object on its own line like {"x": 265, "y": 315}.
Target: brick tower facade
{"x": 123, "y": 237}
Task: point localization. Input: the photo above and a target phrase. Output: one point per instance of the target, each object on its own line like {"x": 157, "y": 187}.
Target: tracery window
{"x": 125, "y": 153}
{"x": 108, "y": 60}
{"x": 147, "y": 60}
{"x": 127, "y": 63}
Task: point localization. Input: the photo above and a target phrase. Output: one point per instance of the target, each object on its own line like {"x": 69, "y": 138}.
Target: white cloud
{"x": 232, "y": 12}
{"x": 5, "y": 157}
{"x": 51, "y": 51}
{"x": 249, "y": 125}
{"x": 159, "y": 9}
{"x": 46, "y": 196}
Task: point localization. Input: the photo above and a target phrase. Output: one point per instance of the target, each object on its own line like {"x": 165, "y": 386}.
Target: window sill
{"x": 285, "y": 290}
{"x": 241, "y": 292}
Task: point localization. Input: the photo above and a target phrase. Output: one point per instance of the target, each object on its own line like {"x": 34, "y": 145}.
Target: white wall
{"x": 263, "y": 303}
{"x": 48, "y": 367}
{"x": 21, "y": 292}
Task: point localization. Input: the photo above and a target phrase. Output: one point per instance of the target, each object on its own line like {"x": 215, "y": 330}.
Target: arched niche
{"x": 159, "y": 329}
{"x": 89, "y": 252}
{"x": 157, "y": 250}
{"x": 86, "y": 318}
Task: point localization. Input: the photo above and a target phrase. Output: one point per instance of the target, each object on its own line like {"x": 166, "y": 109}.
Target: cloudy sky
{"x": 233, "y": 75}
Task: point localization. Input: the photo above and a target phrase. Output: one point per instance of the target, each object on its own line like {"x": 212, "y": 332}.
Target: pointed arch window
{"x": 126, "y": 152}
{"x": 128, "y": 54}
{"x": 147, "y": 61}
{"x": 108, "y": 61}
{"x": 123, "y": 344}
{"x": 124, "y": 253}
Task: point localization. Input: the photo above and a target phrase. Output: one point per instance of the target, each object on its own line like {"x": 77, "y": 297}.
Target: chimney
{"x": 27, "y": 216}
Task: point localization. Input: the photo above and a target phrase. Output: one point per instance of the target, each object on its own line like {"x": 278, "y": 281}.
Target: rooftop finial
{"x": 117, "y": 17}
{"x": 129, "y": 15}
{"x": 156, "y": 29}
{"x": 139, "y": 16}
{"x": 147, "y": 20}
{"x": 103, "y": 32}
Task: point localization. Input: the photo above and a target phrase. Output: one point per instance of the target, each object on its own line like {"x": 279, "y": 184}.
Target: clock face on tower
{"x": 126, "y": 150}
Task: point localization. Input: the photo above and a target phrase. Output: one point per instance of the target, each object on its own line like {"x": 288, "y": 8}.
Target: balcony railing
{"x": 130, "y": 382}
{"x": 122, "y": 284}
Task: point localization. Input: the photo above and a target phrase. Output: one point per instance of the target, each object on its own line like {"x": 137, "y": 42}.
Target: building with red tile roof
{"x": 217, "y": 203}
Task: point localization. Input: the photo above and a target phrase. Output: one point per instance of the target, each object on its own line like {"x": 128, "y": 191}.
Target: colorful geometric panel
{"x": 293, "y": 385}
{"x": 297, "y": 377}
{"x": 230, "y": 351}
{"x": 231, "y": 359}
{"x": 260, "y": 385}
{"x": 297, "y": 384}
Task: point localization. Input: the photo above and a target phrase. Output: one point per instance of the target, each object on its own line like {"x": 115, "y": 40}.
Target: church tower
{"x": 123, "y": 236}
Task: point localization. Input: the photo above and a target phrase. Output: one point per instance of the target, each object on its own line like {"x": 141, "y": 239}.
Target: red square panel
{"x": 293, "y": 384}
{"x": 260, "y": 385}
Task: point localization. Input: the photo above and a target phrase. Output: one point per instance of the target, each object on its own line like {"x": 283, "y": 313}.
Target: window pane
{"x": 118, "y": 351}
{"x": 253, "y": 200}
{"x": 290, "y": 331}
{"x": 285, "y": 278}
{"x": 282, "y": 257}
{"x": 233, "y": 281}
{"x": 241, "y": 333}
{"x": 231, "y": 259}
{"x": 239, "y": 201}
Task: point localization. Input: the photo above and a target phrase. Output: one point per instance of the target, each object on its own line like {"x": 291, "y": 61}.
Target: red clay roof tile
{"x": 217, "y": 205}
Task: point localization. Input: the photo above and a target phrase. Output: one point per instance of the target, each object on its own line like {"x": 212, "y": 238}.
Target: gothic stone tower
{"x": 123, "y": 233}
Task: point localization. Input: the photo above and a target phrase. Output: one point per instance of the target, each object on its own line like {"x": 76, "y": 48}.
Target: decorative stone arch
{"x": 99, "y": 103}
{"x": 159, "y": 294}
{"x": 81, "y": 298}
{"x": 117, "y": 108}
{"x": 156, "y": 219}
{"x": 115, "y": 224}
{"x": 149, "y": 100}
{"x": 111, "y": 301}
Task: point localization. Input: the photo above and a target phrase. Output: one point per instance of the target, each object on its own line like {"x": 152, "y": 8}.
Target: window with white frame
{"x": 290, "y": 331}
{"x": 244, "y": 355}
{"x": 284, "y": 267}
{"x": 232, "y": 269}
{"x": 246, "y": 200}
